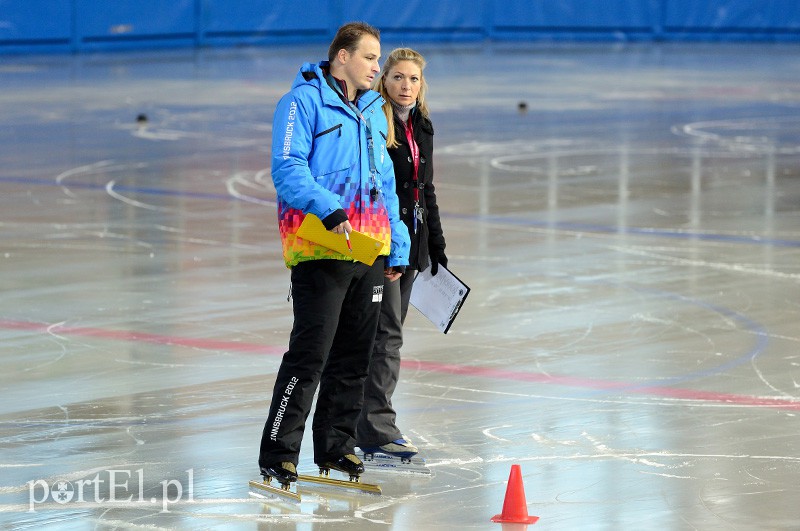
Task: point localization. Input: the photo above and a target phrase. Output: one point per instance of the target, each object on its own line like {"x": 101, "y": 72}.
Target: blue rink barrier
{"x": 88, "y": 25}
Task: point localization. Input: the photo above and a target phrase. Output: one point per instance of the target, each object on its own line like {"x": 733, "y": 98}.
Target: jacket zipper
{"x": 330, "y": 130}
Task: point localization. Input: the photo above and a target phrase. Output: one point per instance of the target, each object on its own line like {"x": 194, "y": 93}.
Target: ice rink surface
{"x": 627, "y": 216}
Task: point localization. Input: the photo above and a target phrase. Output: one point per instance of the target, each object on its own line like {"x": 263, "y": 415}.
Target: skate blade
{"x": 340, "y": 483}
{"x": 392, "y": 463}
{"x": 261, "y": 489}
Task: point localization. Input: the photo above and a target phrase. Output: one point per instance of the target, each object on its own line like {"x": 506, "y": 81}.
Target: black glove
{"x": 334, "y": 219}
{"x": 437, "y": 257}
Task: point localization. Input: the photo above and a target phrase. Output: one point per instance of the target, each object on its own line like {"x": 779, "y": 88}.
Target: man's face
{"x": 360, "y": 68}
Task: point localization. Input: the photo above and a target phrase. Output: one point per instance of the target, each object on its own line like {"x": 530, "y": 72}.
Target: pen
{"x": 347, "y": 237}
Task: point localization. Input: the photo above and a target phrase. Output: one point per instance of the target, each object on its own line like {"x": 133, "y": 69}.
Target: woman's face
{"x": 403, "y": 82}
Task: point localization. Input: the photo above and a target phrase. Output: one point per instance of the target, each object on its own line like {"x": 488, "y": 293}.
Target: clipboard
{"x": 365, "y": 248}
{"x": 440, "y": 297}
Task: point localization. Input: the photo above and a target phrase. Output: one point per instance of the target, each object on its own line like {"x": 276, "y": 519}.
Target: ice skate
{"x": 402, "y": 448}
{"x": 284, "y": 474}
{"x": 399, "y": 455}
{"x": 348, "y": 464}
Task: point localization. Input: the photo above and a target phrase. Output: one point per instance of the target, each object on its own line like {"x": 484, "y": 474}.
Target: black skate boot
{"x": 349, "y": 464}
{"x": 284, "y": 472}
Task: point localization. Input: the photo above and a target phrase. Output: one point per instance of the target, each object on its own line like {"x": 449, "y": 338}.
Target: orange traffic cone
{"x": 515, "y": 508}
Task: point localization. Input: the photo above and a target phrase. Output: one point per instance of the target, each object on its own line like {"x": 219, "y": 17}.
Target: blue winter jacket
{"x": 320, "y": 164}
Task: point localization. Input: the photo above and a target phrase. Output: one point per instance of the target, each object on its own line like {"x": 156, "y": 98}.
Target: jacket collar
{"x": 314, "y": 74}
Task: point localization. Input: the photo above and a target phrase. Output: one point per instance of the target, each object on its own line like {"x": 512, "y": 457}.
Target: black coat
{"x": 429, "y": 239}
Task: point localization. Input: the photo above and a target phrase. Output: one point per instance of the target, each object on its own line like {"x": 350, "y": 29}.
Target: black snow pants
{"x": 336, "y": 309}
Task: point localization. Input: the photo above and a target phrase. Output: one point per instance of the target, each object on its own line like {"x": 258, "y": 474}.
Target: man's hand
{"x": 392, "y": 273}
{"x": 343, "y": 227}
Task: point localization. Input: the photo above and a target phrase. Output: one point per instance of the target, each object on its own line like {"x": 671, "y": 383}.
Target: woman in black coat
{"x": 410, "y": 145}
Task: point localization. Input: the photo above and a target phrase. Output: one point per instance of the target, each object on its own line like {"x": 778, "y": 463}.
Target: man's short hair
{"x": 348, "y": 37}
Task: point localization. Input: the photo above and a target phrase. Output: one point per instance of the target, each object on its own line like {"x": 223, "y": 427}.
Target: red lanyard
{"x": 412, "y": 145}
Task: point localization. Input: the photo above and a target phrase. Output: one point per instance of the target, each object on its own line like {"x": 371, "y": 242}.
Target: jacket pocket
{"x": 337, "y": 127}
{"x": 334, "y": 149}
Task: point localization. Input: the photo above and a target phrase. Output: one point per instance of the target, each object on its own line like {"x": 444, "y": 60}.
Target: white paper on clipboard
{"x": 439, "y": 298}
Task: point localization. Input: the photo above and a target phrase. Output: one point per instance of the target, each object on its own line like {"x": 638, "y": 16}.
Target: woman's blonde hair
{"x": 397, "y": 55}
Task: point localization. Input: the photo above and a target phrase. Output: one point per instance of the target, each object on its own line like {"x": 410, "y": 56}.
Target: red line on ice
{"x": 465, "y": 370}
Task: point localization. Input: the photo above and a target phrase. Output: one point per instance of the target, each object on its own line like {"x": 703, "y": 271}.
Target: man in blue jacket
{"x": 329, "y": 159}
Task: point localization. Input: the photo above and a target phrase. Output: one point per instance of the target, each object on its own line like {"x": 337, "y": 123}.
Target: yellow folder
{"x": 365, "y": 248}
